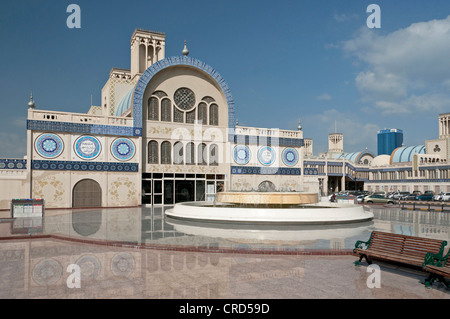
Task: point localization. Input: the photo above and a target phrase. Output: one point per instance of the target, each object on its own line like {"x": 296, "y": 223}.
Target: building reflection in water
{"x": 149, "y": 226}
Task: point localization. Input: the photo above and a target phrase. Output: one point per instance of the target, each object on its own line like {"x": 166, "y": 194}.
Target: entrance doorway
{"x": 87, "y": 193}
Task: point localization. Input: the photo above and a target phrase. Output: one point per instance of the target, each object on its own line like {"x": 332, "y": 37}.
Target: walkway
{"x": 37, "y": 268}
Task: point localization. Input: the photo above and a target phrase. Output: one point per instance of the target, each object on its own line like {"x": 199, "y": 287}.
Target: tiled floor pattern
{"x": 37, "y": 268}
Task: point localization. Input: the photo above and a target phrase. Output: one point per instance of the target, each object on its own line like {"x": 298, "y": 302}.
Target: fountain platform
{"x": 260, "y": 207}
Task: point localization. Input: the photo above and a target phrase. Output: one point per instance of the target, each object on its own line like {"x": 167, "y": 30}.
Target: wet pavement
{"x": 40, "y": 264}
{"x": 39, "y": 268}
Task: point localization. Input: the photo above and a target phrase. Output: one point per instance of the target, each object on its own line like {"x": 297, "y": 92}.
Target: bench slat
{"x": 400, "y": 248}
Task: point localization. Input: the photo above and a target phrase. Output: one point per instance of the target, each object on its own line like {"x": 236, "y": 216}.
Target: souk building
{"x": 166, "y": 132}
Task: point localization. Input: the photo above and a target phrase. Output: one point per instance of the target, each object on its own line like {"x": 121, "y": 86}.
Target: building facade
{"x": 388, "y": 140}
{"x": 166, "y": 133}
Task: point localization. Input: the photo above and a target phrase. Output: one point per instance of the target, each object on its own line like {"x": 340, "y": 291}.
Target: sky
{"x": 284, "y": 61}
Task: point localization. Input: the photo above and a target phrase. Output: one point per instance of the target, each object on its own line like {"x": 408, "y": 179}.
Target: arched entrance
{"x": 266, "y": 186}
{"x": 87, "y": 193}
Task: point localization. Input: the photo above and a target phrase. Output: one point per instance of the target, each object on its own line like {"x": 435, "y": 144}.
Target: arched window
{"x": 166, "y": 157}
{"x": 166, "y": 110}
{"x": 213, "y": 114}
{"x": 202, "y": 113}
{"x": 190, "y": 153}
{"x": 153, "y": 152}
{"x": 153, "y": 106}
{"x": 201, "y": 154}
{"x": 177, "y": 115}
{"x": 178, "y": 153}
{"x": 213, "y": 155}
{"x": 190, "y": 117}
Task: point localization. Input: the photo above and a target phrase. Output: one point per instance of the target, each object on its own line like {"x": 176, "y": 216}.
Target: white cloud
{"x": 344, "y": 17}
{"x": 324, "y": 97}
{"x": 358, "y": 133}
{"x": 408, "y": 70}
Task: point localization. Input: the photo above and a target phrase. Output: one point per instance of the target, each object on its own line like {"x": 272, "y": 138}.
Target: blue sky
{"x": 284, "y": 60}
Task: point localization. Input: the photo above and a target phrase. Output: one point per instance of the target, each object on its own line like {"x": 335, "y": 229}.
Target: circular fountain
{"x": 270, "y": 207}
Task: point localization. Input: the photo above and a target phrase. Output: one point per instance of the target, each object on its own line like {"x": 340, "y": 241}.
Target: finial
{"x": 185, "y": 50}
{"x": 299, "y": 125}
{"x": 31, "y": 104}
{"x": 237, "y": 122}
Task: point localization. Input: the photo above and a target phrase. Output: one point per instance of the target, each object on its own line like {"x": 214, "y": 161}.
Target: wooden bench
{"x": 438, "y": 268}
{"x": 403, "y": 249}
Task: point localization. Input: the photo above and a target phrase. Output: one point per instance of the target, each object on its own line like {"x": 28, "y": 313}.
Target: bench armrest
{"x": 435, "y": 260}
{"x": 362, "y": 244}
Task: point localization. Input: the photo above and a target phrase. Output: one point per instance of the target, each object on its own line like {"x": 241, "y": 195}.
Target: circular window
{"x": 184, "y": 98}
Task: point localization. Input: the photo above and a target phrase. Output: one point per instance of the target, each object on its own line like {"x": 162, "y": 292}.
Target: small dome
{"x": 355, "y": 157}
{"x": 31, "y": 104}
{"x": 124, "y": 104}
{"x": 185, "y": 50}
{"x": 381, "y": 160}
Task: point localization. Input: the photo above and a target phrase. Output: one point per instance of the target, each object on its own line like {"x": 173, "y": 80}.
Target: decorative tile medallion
{"x": 87, "y": 147}
{"x": 310, "y": 171}
{"x": 123, "y": 265}
{"x": 123, "y": 149}
{"x": 49, "y": 145}
{"x": 266, "y": 155}
{"x": 290, "y": 157}
{"x": 47, "y": 272}
{"x": 241, "y": 154}
{"x": 90, "y": 267}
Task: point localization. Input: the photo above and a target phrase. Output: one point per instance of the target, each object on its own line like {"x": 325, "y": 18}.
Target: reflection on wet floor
{"x": 38, "y": 267}
{"x": 149, "y": 226}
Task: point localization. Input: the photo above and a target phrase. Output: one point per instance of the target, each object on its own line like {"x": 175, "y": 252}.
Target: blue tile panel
{"x": 139, "y": 90}
{"x": 84, "y": 166}
{"x": 254, "y": 170}
{"x": 6, "y": 163}
{"x": 334, "y": 164}
{"x": 79, "y": 128}
{"x": 310, "y": 171}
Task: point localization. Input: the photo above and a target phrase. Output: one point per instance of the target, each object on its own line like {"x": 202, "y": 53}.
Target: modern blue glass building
{"x": 389, "y": 140}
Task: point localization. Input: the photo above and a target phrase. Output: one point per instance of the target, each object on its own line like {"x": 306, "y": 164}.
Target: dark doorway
{"x": 87, "y": 193}
{"x": 184, "y": 191}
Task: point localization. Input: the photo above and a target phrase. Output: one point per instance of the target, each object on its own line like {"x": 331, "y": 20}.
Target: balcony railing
{"x": 56, "y": 116}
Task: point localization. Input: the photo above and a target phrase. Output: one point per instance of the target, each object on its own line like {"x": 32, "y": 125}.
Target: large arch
{"x": 86, "y": 193}
{"x": 144, "y": 80}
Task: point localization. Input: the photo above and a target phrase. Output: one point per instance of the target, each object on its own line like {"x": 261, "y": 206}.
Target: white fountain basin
{"x": 317, "y": 213}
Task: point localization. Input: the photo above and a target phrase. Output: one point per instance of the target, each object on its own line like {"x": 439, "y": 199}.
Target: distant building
{"x": 389, "y": 140}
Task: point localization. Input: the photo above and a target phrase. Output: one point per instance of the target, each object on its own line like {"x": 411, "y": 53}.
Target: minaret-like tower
{"x": 147, "y": 47}
{"x": 444, "y": 125}
{"x": 335, "y": 143}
